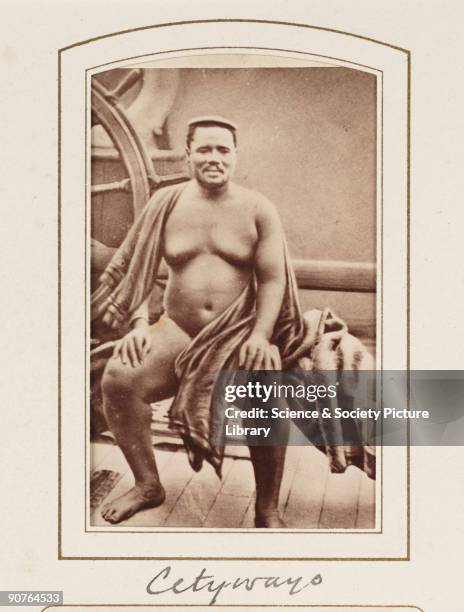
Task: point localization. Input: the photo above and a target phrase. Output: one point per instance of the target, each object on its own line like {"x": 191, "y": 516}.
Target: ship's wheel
{"x": 119, "y": 199}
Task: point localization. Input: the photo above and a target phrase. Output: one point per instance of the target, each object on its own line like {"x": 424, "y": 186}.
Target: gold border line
{"x": 408, "y": 301}
{"x": 231, "y": 47}
{"x": 238, "y": 530}
{"x": 265, "y": 21}
{"x": 380, "y": 75}
{"x": 90, "y": 40}
{"x": 59, "y": 304}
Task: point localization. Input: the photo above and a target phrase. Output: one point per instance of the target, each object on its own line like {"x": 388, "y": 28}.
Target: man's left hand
{"x": 257, "y": 353}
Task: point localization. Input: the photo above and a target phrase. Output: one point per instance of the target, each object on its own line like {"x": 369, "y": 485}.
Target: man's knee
{"x": 118, "y": 382}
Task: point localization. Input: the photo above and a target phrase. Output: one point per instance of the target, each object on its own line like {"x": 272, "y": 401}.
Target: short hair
{"x": 193, "y": 124}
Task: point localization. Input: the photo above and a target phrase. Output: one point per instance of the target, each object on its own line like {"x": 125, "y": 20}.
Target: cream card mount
{"x": 225, "y": 45}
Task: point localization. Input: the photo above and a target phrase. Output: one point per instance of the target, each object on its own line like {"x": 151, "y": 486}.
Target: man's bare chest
{"x": 224, "y": 231}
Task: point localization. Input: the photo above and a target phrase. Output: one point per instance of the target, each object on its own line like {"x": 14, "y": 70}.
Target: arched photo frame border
{"x": 63, "y": 152}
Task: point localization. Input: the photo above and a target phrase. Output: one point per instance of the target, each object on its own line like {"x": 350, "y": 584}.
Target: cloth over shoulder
{"x": 309, "y": 341}
{"x": 129, "y": 277}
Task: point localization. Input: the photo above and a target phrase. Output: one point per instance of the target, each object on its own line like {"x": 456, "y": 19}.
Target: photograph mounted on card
{"x": 222, "y": 207}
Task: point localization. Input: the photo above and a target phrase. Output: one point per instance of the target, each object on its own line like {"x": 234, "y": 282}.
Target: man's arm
{"x": 257, "y": 353}
{"x": 135, "y": 345}
{"x": 141, "y": 314}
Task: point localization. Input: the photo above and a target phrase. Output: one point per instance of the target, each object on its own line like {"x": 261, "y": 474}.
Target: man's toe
{"x": 106, "y": 510}
{"x": 108, "y": 513}
{"x": 112, "y": 516}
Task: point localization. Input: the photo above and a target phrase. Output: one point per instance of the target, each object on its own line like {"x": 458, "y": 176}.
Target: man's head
{"x": 211, "y": 150}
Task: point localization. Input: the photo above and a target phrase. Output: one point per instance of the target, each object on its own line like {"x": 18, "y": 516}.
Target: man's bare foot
{"x": 269, "y": 520}
{"x": 337, "y": 460}
{"x": 138, "y": 498}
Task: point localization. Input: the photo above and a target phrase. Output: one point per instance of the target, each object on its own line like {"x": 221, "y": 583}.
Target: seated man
{"x": 218, "y": 236}
{"x": 230, "y": 302}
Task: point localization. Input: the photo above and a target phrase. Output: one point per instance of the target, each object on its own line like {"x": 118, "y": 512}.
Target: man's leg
{"x": 268, "y": 465}
{"x": 127, "y": 393}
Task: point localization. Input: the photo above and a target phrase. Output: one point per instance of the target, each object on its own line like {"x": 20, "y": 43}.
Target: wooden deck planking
{"x": 248, "y": 520}
{"x": 304, "y": 503}
{"x": 366, "y": 504}
{"x": 340, "y": 503}
{"x": 198, "y": 497}
{"x": 115, "y": 461}
{"x": 99, "y": 451}
{"x": 239, "y": 481}
{"x": 233, "y": 500}
{"x": 311, "y": 497}
{"x": 292, "y": 460}
{"x": 228, "y": 511}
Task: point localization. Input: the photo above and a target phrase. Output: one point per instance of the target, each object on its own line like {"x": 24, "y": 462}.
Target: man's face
{"x": 212, "y": 156}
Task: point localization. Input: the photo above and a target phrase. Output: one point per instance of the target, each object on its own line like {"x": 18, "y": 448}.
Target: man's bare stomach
{"x": 201, "y": 289}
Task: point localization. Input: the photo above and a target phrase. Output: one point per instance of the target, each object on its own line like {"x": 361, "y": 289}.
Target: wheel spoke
{"x": 124, "y": 185}
{"x": 124, "y": 85}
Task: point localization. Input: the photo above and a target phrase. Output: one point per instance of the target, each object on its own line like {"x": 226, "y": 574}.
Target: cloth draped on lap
{"x": 316, "y": 340}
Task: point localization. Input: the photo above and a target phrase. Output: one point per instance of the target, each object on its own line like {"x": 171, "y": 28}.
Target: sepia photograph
{"x": 233, "y": 224}
{"x": 218, "y": 221}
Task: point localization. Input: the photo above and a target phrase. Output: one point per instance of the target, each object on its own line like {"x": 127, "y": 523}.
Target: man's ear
{"x": 187, "y": 153}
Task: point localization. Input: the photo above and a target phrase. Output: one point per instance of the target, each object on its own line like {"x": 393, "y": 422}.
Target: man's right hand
{"x": 135, "y": 345}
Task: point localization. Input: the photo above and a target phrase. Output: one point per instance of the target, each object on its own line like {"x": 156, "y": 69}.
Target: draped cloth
{"x": 314, "y": 340}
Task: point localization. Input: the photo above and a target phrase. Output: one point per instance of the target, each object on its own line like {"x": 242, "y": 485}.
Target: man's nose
{"x": 214, "y": 156}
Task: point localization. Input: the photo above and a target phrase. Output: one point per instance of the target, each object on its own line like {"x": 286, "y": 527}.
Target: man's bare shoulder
{"x": 258, "y": 203}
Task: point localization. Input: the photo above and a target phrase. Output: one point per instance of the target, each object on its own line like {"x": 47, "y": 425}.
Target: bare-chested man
{"x": 216, "y": 238}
